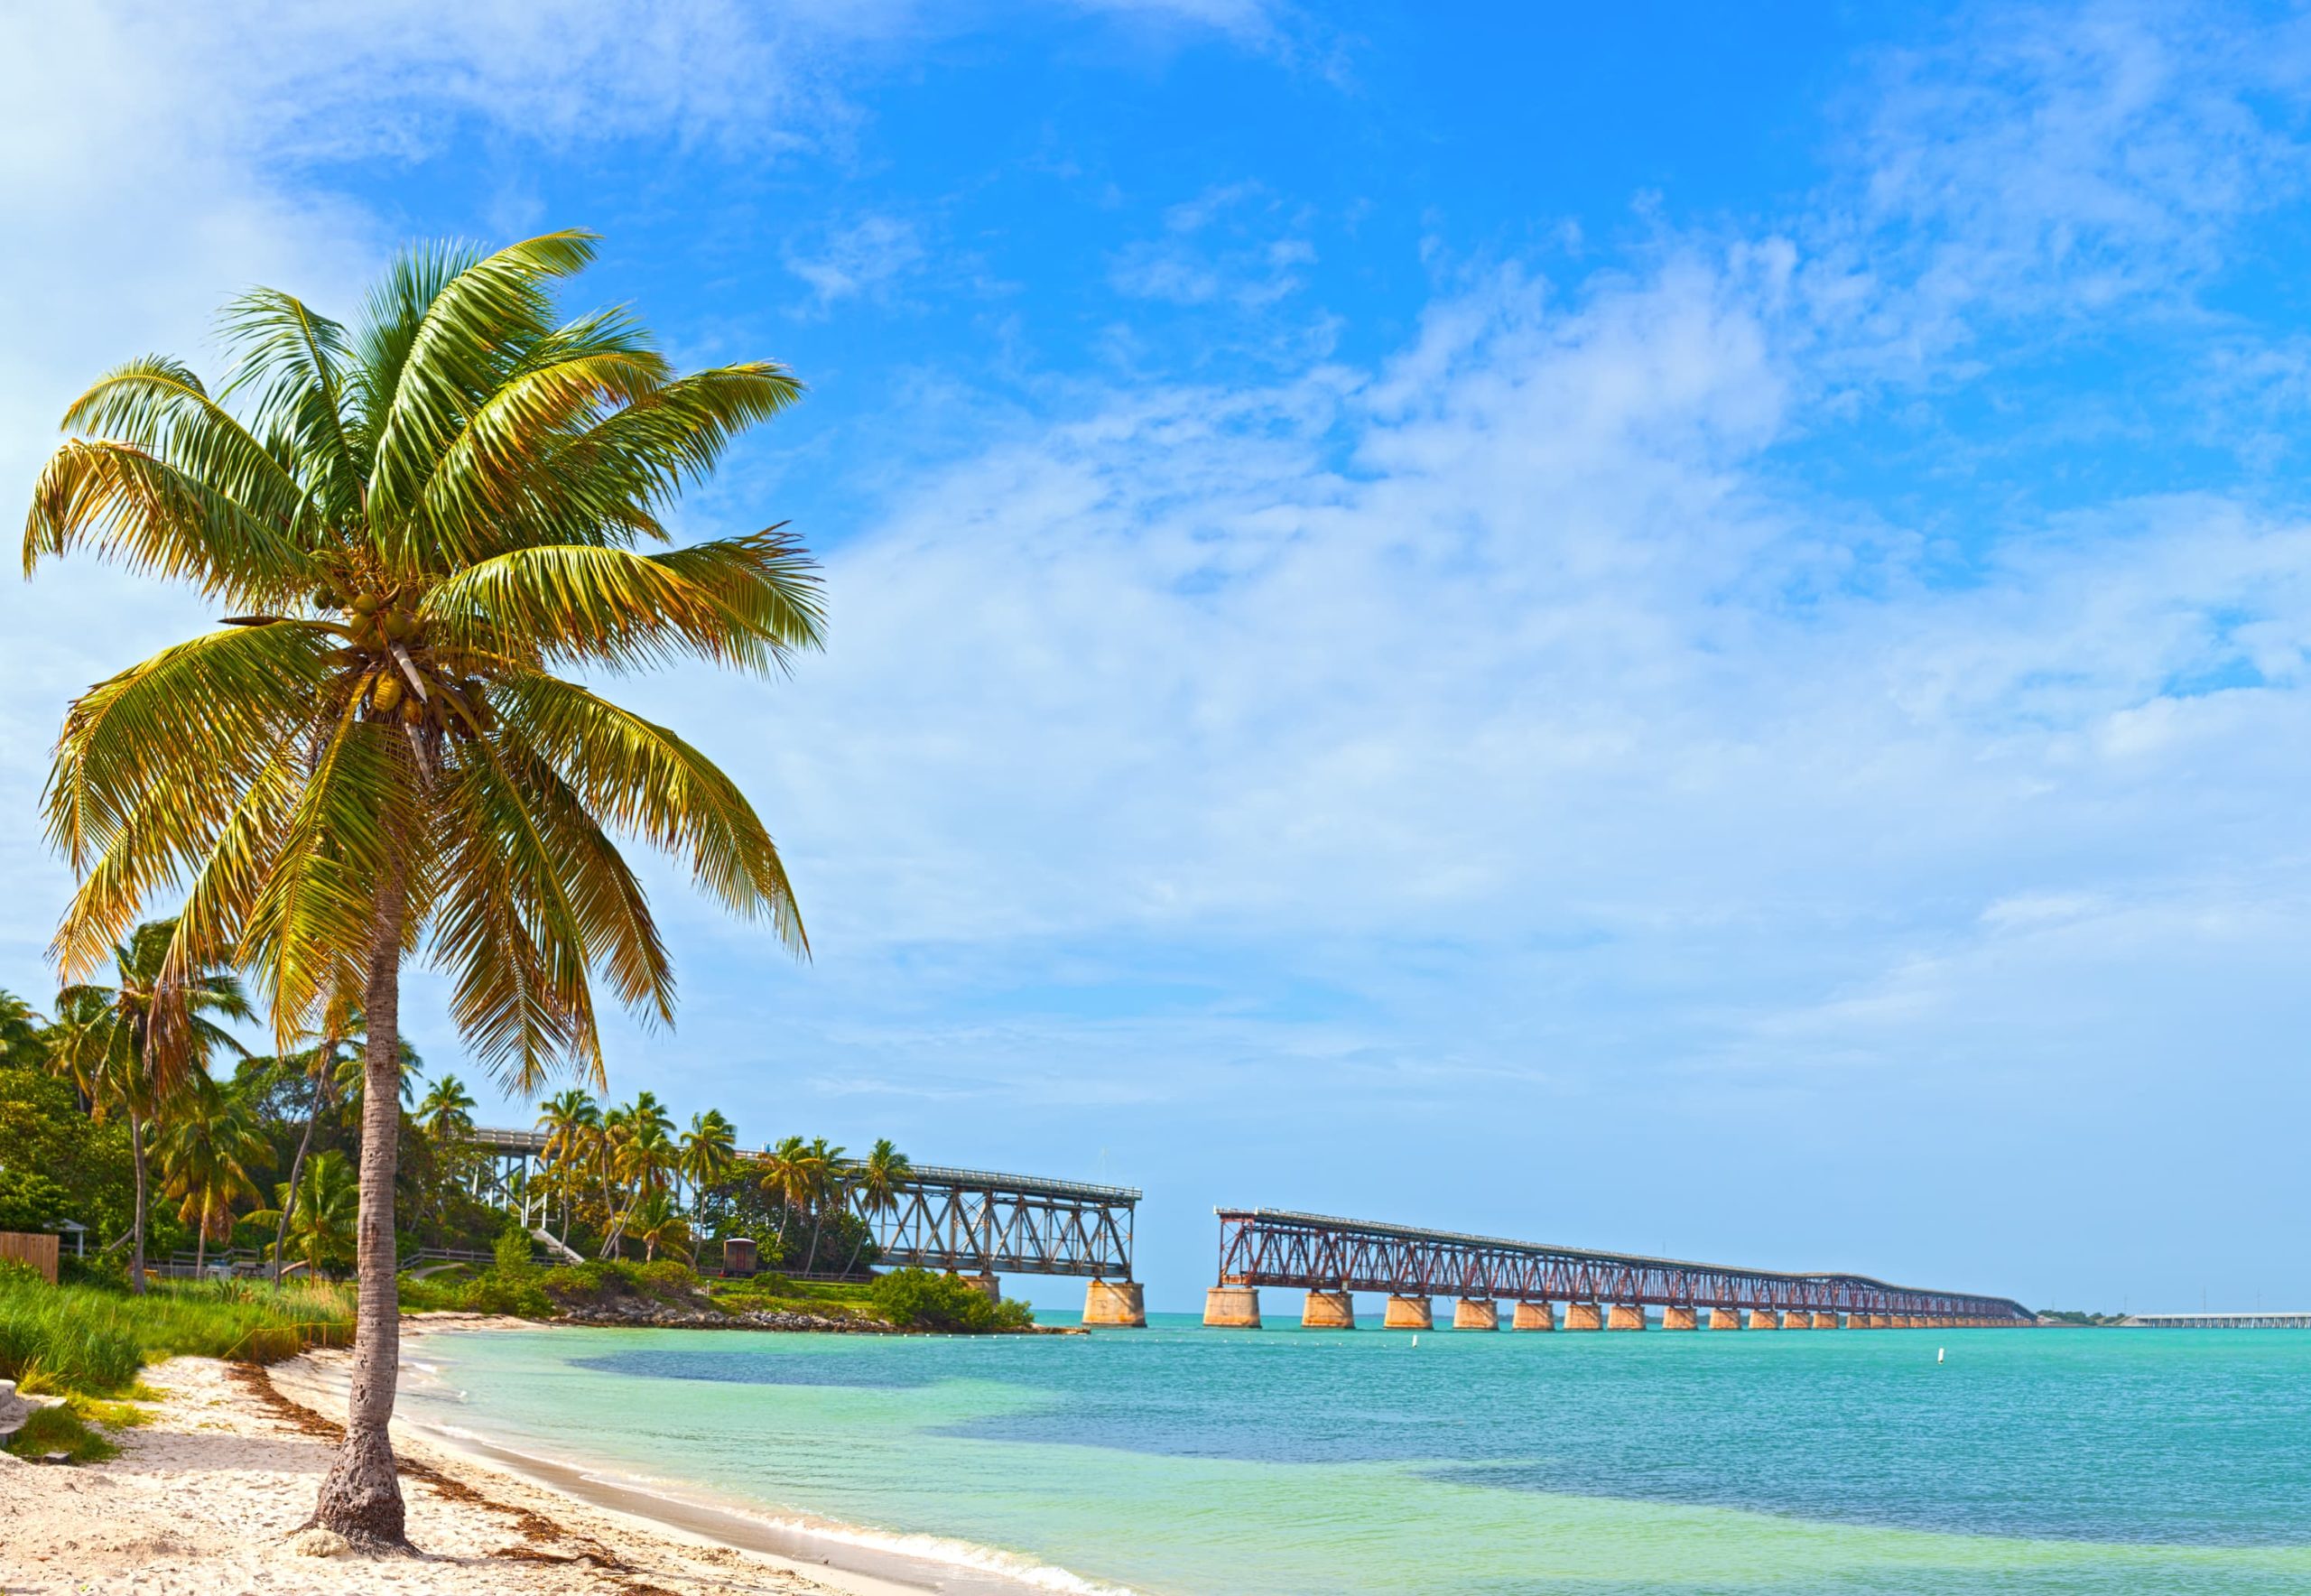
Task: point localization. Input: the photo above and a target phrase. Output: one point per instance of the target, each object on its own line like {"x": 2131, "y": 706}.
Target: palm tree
{"x": 341, "y": 1026}
{"x": 21, "y": 1043}
{"x": 708, "y": 1148}
{"x": 446, "y": 1113}
{"x": 644, "y": 1155}
{"x": 656, "y": 1222}
{"x": 785, "y": 1181}
{"x": 415, "y": 525}
{"x": 824, "y": 1183}
{"x": 875, "y": 1185}
{"x": 571, "y": 1120}
{"x": 111, "y": 1043}
{"x": 322, "y": 1211}
{"x": 205, "y": 1159}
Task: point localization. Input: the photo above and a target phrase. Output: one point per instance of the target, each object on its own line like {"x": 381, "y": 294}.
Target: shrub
{"x": 917, "y": 1299}
{"x": 514, "y": 1252}
{"x": 667, "y": 1277}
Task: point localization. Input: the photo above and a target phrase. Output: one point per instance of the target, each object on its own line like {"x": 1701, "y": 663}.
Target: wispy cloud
{"x": 868, "y": 257}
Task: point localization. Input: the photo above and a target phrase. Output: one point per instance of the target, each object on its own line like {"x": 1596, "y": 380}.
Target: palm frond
{"x": 129, "y": 506}
{"x": 643, "y": 779}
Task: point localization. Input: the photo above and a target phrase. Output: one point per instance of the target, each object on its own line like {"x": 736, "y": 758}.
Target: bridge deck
{"x": 1281, "y": 1247}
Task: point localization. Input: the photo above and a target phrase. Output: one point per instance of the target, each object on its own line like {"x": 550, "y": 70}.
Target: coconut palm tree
{"x": 708, "y": 1149}
{"x": 785, "y": 1181}
{"x": 322, "y": 1210}
{"x": 416, "y": 525}
{"x": 112, "y": 1044}
{"x": 571, "y": 1120}
{"x": 875, "y": 1185}
{"x": 446, "y": 1113}
{"x": 645, "y": 1154}
{"x": 823, "y": 1184}
{"x": 209, "y": 1143}
{"x": 656, "y": 1222}
{"x": 21, "y": 1043}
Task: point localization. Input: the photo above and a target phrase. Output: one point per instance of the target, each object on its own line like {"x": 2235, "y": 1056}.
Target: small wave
{"x": 946, "y": 1551}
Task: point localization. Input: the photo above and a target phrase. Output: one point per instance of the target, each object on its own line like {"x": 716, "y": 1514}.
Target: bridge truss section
{"x": 1276, "y": 1247}
{"x": 976, "y": 1221}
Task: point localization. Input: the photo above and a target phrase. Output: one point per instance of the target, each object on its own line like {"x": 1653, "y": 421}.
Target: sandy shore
{"x": 203, "y": 1501}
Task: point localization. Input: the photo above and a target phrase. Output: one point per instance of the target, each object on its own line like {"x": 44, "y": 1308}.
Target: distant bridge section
{"x": 1332, "y": 1258}
{"x": 2218, "y": 1321}
{"x": 973, "y": 1221}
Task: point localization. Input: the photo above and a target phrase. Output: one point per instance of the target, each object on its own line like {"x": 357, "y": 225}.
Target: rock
{"x": 318, "y": 1542}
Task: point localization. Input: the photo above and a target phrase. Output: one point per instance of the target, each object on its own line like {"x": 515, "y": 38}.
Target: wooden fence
{"x": 39, "y": 1251}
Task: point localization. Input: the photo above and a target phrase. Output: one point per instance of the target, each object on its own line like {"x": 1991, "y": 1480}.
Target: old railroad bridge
{"x": 974, "y": 1221}
{"x": 1331, "y": 1259}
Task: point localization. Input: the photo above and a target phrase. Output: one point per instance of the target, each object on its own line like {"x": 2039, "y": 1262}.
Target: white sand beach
{"x": 206, "y": 1499}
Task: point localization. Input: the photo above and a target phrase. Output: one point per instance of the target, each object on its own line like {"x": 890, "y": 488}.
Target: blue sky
{"x": 1668, "y": 632}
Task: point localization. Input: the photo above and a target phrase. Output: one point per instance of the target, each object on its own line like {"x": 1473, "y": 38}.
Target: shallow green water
{"x": 1181, "y": 1460}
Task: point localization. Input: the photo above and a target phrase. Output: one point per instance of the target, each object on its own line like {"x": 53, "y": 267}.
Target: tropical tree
{"x": 656, "y": 1222}
{"x": 875, "y": 1185}
{"x": 206, "y": 1152}
{"x": 642, "y": 1155}
{"x": 416, "y": 525}
{"x": 572, "y": 1121}
{"x": 446, "y": 1113}
{"x": 786, "y": 1180}
{"x": 709, "y": 1148}
{"x": 21, "y": 1043}
{"x": 322, "y": 1210}
{"x": 824, "y": 1182}
{"x": 112, "y": 1044}
{"x": 337, "y": 1042}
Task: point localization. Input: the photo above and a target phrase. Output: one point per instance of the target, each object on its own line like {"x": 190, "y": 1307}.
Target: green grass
{"x": 61, "y": 1429}
{"x": 90, "y": 1341}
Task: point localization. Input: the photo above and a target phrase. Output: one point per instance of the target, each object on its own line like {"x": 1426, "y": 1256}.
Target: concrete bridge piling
{"x": 1409, "y": 1313}
{"x": 1116, "y": 1304}
{"x": 1674, "y": 1317}
{"x": 1584, "y": 1316}
{"x": 1476, "y": 1313}
{"x": 1232, "y": 1307}
{"x": 1764, "y": 1318}
{"x": 1725, "y": 1318}
{"x": 1534, "y": 1316}
{"x": 1327, "y": 1310}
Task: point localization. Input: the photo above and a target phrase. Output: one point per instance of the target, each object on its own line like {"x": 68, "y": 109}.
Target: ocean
{"x": 1188, "y": 1462}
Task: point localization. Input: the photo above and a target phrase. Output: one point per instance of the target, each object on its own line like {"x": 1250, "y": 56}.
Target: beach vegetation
{"x": 49, "y": 1432}
{"x": 91, "y": 1340}
{"x": 921, "y": 1299}
{"x": 419, "y": 528}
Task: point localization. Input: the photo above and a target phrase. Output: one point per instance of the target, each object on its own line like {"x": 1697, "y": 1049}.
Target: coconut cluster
{"x": 388, "y": 643}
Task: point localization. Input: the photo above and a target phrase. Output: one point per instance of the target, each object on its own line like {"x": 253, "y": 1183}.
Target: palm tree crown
{"x": 419, "y": 526}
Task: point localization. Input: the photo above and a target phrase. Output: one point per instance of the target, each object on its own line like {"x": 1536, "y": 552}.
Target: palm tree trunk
{"x": 201, "y": 1243}
{"x": 304, "y": 1145}
{"x": 361, "y": 1498}
{"x": 136, "y": 1248}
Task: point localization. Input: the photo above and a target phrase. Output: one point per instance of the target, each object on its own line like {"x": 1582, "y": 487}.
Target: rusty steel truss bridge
{"x": 1271, "y": 1247}
{"x": 973, "y": 1221}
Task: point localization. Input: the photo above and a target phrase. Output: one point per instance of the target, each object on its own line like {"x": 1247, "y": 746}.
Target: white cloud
{"x": 867, "y": 258}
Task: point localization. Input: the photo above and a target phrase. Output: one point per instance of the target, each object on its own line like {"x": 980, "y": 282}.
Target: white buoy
{"x": 1938, "y": 1354}
{"x": 1415, "y": 1340}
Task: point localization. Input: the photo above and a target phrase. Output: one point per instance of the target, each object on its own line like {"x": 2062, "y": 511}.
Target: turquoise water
{"x": 1181, "y": 1459}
